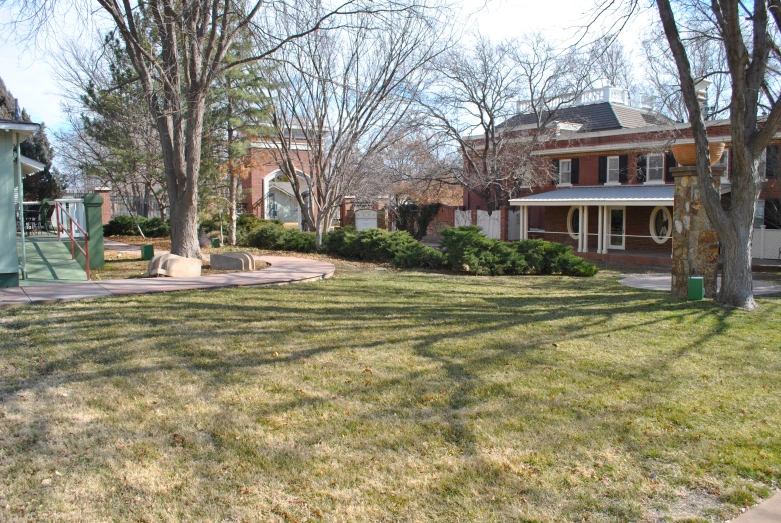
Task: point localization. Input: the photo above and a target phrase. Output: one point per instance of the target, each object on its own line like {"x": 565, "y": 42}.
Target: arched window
{"x": 661, "y": 224}
{"x": 573, "y": 222}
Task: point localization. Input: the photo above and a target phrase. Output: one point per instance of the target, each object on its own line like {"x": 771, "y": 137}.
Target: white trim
{"x": 569, "y": 162}
{"x": 627, "y": 146}
{"x": 617, "y": 181}
{"x": 652, "y": 223}
{"x": 648, "y": 180}
{"x": 573, "y": 235}
{"x": 265, "y": 144}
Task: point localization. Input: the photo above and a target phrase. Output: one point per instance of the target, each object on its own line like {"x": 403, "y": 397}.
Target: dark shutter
{"x": 555, "y": 167}
{"x": 623, "y": 168}
{"x": 669, "y": 163}
{"x": 771, "y": 165}
{"x": 575, "y": 171}
{"x": 602, "y": 169}
{"x": 642, "y": 165}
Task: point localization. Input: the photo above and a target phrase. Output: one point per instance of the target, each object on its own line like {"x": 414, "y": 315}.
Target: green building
{"x": 13, "y": 166}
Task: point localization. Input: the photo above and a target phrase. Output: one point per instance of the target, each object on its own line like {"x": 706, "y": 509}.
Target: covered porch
{"x": 621, "y": 223}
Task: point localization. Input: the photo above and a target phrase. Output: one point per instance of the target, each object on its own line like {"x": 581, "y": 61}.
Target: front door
{"x": 617, "y": 227}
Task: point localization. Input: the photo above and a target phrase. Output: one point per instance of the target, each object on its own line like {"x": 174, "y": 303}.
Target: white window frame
{"x": 617, "y": 171}
{"x": 651, "y": 224}
{"x": 648, "y": 180}
{"x": 762, "y": 167}
{"x": 573, "y": 234}
{"x": 568, "y": 161}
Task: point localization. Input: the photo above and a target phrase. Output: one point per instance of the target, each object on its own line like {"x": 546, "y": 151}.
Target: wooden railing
{"x": 59, "y": 211}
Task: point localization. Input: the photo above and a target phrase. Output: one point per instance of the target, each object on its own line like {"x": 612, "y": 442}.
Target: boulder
{"x": 173, "y": 266}
{"x": 232, "y": 261}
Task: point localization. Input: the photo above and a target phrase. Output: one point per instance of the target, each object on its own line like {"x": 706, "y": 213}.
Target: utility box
{"x": 215, "y": 243}
{"x": 147, "y": 251}
{"x": 696, "y": 288}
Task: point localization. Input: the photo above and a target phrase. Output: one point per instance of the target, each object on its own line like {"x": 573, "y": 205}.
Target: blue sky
{"x": 27, "y": 66}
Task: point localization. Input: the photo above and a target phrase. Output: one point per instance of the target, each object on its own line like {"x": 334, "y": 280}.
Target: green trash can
{"x": 696, "y": 288}
{"x": 147, "y": 251}
{"x": 215, "y": 242}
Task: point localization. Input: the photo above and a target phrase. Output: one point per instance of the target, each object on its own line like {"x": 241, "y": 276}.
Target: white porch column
{"x": 525, "y": 222}
{"x": 585, "y": 228}
{"x": 600, "y": 219}
{"x": 580, "y": 228}
{"x": 606, "y": 230}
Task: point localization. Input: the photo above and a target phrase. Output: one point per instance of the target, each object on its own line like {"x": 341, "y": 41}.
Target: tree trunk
{"x": 736, "y": 280}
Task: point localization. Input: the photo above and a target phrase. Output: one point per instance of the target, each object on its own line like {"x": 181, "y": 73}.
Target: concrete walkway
{"x": 769, "y": 511}
{"x": 663, "y": 282}
{"x": 282, "y": 270}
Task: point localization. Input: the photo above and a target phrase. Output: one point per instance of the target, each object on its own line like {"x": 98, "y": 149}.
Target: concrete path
{"x": 663, "y": 282}
{"x": 769, "y": 511}
{"x": 282, "y": 270}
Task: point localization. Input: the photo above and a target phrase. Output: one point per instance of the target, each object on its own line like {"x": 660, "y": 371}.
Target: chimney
{"x": 701, "y": 90}
{"x": 17, "y": 115}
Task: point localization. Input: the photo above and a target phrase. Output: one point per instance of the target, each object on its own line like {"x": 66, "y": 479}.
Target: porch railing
{"x": 59, "y": 211}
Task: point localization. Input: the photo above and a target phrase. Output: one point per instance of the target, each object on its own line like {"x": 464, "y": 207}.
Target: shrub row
{"x": 464, "y": 249}
{"x": 467, "y": 249}
{"x": 125, "y": 226}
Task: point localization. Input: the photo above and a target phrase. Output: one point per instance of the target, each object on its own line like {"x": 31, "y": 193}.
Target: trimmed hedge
{"x": 125, "y": 226}
{"x": 464, "y": 249}
{"x": 467, "y": 249}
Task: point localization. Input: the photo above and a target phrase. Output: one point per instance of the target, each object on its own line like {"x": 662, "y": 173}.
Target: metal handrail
{"x": 85, "y": 251}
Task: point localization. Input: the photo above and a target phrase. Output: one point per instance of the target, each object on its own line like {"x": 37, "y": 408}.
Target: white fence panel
{"x": 514, "y": 225}
{"x": 489, "y": 223}
{"x": 463, "y": 218}
{"x": 767, "y": 244}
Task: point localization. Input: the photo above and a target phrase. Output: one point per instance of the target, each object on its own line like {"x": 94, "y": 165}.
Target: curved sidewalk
{"x": 282, "y": 270}
{"x": 663, "y": 282}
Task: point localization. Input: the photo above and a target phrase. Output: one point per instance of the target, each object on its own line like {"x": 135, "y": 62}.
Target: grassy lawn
{"x": 390, "y": 396}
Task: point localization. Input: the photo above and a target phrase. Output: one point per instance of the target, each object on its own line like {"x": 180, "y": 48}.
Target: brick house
{"x": 605, "y": 185}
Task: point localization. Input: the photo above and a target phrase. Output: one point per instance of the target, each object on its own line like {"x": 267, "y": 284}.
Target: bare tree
{"x": 610, "y": 61}
{"x": 749, "y": 36}
{"x": 343, "y": 93}
{"x": 480, "y": 88}
{"x": 662, "y": 89}
{"x": 177, "y": 49}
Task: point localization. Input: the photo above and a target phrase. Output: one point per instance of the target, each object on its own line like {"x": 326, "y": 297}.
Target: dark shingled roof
{"x": 604, "y": 116}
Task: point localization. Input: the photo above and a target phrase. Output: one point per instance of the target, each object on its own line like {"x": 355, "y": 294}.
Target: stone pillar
{"x": 695, "y": 242}
{"x": 105, "y": 193}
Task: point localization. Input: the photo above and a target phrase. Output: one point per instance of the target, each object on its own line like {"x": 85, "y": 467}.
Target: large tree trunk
{"x": 736, "y": 280}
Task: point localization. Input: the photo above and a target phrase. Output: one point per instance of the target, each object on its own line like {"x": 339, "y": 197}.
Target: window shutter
{"x": 555, "y": 167}
{"x": 623, "y": 168}
{"x": 771, "y": 167}
{"x": 602, "y": 169}
{"x": 669, "y": 162}
{"x": 575, "y": 171}
{"x": 642, "y": 164}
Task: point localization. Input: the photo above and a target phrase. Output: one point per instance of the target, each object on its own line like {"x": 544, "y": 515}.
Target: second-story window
{"x": 565, "y": 172}
{"x": 655, "y": 168}
{"x": 612, "y": 169}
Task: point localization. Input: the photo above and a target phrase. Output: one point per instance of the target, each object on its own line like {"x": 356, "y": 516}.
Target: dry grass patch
{"x": 390, "y": 396}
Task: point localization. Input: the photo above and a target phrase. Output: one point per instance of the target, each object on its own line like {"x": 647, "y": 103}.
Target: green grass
{"x": 390, "y": 396}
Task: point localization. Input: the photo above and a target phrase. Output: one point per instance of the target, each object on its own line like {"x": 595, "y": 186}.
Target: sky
{"x": 27, "y": 67}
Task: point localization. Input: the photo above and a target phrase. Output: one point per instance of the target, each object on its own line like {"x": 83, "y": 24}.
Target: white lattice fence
{"x": 489, "y": 223}
{"x": 463, "y": 218}
{"x": 767, "y": 244}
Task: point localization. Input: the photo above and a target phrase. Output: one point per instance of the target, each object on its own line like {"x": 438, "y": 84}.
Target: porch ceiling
{"x": 619, "y": 195}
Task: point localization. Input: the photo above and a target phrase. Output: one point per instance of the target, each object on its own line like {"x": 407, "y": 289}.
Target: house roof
{"x": 24, "y": 129}
{"x": 30, "y": 166}
{"x": 635, "y": 195}
{"x": 632, "y": 195}
{"x": 597, "y": 117}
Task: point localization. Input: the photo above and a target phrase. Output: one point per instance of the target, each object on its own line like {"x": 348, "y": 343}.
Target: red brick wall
{"x": 637, "y": 224}
{"x": 263, "y": 163}
{"x": 106, "y": 208}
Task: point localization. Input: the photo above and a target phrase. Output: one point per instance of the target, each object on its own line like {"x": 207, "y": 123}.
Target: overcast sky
{"x": 27, "y": 68}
